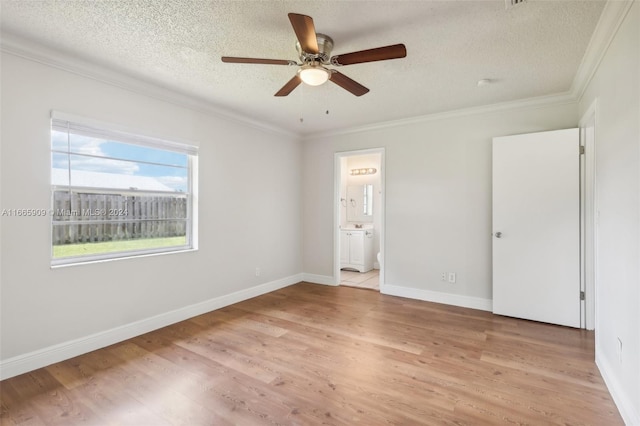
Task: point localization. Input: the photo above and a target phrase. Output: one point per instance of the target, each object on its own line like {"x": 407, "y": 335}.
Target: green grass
{"x": 83, "y": 249}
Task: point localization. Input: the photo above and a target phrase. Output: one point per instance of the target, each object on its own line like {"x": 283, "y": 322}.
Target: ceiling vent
{"x": 508, "y": 4}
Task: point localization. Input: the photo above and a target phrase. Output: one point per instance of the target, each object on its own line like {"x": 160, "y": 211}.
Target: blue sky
{"x": 85, "y": 153}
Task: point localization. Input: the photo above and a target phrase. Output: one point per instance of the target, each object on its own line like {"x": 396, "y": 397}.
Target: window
{"x": 116, "y": 194}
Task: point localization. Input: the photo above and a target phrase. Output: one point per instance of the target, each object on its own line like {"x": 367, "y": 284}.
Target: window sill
{"x": 63, "y": 263}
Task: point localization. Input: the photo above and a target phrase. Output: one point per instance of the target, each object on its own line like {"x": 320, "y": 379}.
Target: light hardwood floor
{"x": 311, "y": 354}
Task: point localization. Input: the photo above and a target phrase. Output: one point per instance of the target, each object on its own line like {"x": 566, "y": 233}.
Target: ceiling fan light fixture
{"x": 313, "y": 75}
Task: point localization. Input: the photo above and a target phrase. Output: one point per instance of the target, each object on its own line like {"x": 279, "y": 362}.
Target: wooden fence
{"x": 86, "y": 217}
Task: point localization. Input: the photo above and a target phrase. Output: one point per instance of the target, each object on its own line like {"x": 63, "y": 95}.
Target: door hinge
{"x": 582, "y": 295}
{"x": 581, "y": 149}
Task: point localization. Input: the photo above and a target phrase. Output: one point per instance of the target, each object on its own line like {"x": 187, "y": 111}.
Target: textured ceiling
{"x": 530, "y": 50}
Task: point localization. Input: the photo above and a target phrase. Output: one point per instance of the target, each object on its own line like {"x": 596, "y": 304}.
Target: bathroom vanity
{"x": 356, "y": 249}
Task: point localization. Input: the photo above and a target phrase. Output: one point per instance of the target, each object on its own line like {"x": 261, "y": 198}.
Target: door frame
{"x": 337, "y": 179}
{"x": 588, "y": 217}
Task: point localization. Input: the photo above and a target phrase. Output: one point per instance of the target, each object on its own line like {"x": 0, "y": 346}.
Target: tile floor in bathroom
{"x": 368, "y": 280}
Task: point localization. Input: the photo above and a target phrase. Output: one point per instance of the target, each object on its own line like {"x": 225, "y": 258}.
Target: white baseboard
{"x": 438, "y": 297}
{"x": 628, "y": 410}
{"x": 319, "y": 279}
{"x": 41, "y": 358}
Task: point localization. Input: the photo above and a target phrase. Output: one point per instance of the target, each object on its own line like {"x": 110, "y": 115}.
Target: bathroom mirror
{"x": 360, "y": 203}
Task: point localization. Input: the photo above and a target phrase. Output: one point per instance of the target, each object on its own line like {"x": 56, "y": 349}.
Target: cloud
{"x": 81, "y": 148}
{"x": 179, "y": 183}
{"x": 88, "y": 154}
{"x": 103, "y": 165}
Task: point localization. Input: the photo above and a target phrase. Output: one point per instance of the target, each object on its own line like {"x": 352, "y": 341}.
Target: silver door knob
{"x": 498, "y": 234}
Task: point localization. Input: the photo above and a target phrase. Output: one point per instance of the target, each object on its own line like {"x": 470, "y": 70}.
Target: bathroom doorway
{"x": 359, "y": 218}
{"x": 369, "y": 280}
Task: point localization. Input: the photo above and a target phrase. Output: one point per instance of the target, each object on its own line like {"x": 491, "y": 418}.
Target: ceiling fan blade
{"x": 348, "y": 84}
{"x": 288, "y": 88}
{"x": 370, "y": 55}
{"x": 234, "y": 60}
{"x": 305, "y": 32}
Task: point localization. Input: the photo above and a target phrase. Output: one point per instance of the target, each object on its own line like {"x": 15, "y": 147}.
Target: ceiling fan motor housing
{"x": 325, "y": 45}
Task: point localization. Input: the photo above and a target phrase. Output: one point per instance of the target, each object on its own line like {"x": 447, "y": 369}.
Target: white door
{"x": 536, "y": 227}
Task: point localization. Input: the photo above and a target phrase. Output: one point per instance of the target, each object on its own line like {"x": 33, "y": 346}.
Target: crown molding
{"x": 27, "y": 49}
{"x": 536, "y": 102}
{"x": 610, "y": 20}
{"x": 612, "y": 17}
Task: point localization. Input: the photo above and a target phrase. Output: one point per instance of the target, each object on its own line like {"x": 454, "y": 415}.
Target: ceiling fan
{"x": 314, "y": 51}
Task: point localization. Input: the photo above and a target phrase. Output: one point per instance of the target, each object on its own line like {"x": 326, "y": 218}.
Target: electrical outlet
{"x": 258, "y": 272}
{"x": 443, "y": 276}
{"x": 452, "y": 277}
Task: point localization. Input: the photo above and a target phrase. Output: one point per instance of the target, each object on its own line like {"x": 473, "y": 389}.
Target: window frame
{"x": 114, "y": 133}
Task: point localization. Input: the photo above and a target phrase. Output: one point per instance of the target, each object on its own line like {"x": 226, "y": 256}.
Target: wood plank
{"x": 310, "y": 354}
{"x": 48, "y": 400}
{"x": 15, "y": 410}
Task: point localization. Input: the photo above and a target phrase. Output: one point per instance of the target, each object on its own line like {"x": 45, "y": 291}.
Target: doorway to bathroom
{"x": 359, "y": 218}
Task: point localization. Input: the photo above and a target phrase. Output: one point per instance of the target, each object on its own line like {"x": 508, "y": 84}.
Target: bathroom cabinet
{"x": 356, "y": 249}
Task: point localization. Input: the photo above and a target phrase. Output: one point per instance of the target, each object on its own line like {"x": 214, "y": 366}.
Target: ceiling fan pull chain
{"x": 301, "y": 108}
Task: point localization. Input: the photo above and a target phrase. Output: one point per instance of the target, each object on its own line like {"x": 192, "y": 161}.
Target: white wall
{"x": 615, "y": 88}
{"x": 438, "y": 198}
{"x": 250, "y": 215}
